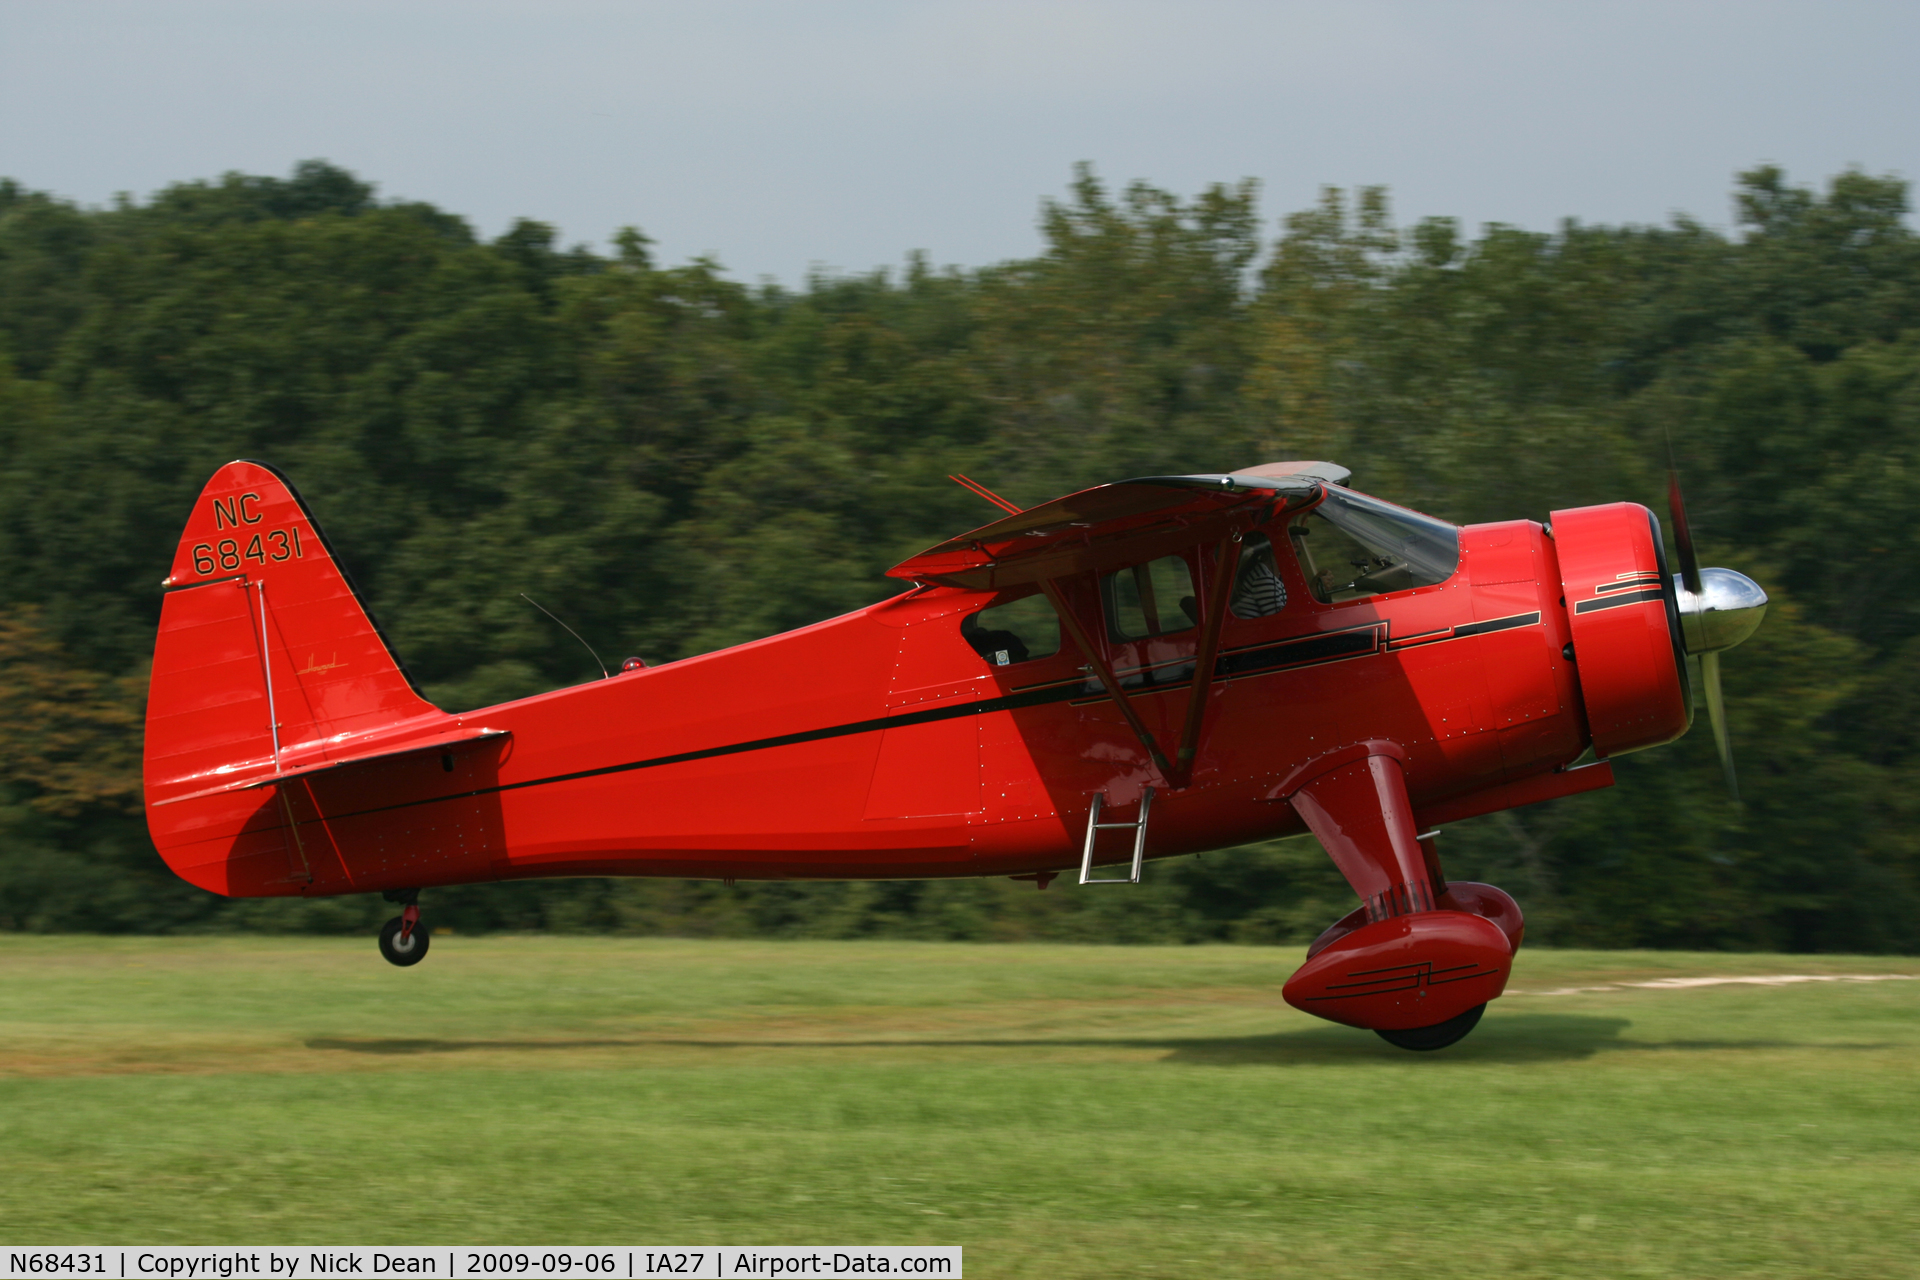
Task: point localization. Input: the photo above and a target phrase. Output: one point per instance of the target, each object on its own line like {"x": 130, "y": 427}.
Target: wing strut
{"x": 1105, "y": 672}
{"x": 1205, "y": 659}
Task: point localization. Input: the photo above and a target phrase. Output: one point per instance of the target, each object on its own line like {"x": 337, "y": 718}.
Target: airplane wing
{"x": 1113, "y": 524}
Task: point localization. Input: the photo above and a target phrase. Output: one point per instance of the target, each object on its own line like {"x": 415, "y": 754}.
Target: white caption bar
{"x": 466, "y": 1262}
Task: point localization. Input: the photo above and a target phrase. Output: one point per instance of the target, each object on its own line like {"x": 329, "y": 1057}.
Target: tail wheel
{"x": 1437, "y": 1036}
{"x": 408, "y": 949}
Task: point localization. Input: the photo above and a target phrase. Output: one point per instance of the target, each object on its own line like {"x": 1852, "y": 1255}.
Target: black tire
{"x": 394, "y": 951}
{"x": 1437, "y": 1036}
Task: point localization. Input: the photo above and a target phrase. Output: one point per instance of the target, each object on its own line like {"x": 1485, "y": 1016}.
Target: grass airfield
{"x": 1060, "y": 1111}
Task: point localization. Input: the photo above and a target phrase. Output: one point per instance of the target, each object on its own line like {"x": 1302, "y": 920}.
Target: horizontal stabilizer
{"x": 437, "y": 742}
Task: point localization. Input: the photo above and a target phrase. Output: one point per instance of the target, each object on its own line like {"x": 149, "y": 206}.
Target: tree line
{"x": 675, "y": 461}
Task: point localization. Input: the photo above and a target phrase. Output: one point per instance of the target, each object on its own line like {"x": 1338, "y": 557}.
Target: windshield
{"x": 1352, "y": 546}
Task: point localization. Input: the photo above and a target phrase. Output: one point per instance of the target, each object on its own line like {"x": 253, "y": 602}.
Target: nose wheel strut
{"x": 402, "y": 940}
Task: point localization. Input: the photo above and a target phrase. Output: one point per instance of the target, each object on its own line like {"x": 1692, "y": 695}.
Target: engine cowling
{"x": 1623, "y": 613}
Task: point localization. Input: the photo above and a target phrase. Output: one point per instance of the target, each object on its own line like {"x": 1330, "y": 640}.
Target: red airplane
{"x": 1140, "y": 670}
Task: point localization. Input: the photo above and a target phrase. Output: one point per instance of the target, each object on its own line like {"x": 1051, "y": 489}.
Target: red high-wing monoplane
{"x": 1144, "y": 669}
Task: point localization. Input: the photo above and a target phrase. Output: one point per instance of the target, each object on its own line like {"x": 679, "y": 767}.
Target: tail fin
{"x": 266, "y": 658}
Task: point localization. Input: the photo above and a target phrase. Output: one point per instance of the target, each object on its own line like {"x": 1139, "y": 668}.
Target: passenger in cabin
{"x": 1258, "y": 589}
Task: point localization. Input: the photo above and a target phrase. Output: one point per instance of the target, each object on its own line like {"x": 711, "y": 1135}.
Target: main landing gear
{"x": 402, "y": 940}
{"x": 1420, "y": 958}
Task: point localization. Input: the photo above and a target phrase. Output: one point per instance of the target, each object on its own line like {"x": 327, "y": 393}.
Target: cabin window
{"x": 1016, "y": 631}
{"x": 1152, "y": 599}
{"x": 1352, "y": 547}
{"x": 1258, "y": 589}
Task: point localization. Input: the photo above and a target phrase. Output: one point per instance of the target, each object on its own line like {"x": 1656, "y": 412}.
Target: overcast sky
{"x": 845, "y": 133}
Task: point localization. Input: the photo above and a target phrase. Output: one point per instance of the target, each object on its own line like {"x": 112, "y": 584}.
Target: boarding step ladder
{"x": 1095, "y": 827}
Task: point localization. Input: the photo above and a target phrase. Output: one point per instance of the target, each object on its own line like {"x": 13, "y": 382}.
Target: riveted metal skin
{"x": 287, "y": 752}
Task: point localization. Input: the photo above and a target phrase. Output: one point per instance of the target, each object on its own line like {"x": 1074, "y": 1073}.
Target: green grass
{"x": 1060, "y": 1111}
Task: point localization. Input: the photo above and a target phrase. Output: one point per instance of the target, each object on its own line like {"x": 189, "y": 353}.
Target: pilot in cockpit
{"x": 1258, "y": 589}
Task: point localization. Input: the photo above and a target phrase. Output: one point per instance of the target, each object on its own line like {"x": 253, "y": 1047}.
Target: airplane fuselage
{"x": 880, "y": 744}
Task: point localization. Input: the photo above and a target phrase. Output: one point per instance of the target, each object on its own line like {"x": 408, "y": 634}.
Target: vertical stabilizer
{"x": 266, "y": 659}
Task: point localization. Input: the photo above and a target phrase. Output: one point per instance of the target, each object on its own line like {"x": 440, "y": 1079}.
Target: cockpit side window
{"x": 1147, "y": 600}
{"x": 1351, "y": 547}
{"x": 1013, "y": 631}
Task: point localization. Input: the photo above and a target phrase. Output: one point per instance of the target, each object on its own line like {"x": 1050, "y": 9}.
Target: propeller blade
{"x": 1683, "y": 535}
{"x": 1717, "y": 712}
